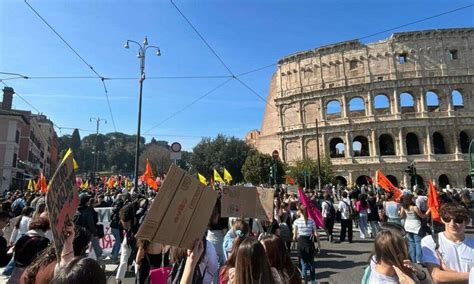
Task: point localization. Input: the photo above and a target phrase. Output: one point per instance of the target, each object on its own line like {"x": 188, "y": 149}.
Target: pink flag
{"x": 313, "y": 211}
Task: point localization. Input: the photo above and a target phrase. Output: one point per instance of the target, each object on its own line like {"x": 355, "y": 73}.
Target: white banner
{"x": 107, "y": 242}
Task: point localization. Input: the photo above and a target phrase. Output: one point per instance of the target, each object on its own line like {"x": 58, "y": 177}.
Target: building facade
{"x": 380, "y": 105}
{"x": 28, "y": 145}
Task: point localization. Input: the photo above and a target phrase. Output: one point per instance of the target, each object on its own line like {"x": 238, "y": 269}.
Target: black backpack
{"x": 332, "y": 210}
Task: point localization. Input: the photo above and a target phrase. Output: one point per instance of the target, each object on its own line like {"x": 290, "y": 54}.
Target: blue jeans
{"x": 414, "y": 247}
{"x": 96, "y": 247}
{"x": 305, "y": 266}
{"x": 118, "y": 241}
{"x": 10, "y": 266}
{"x": 363, "y": 224}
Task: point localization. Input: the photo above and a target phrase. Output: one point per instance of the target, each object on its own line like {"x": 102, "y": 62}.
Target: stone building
{"x": 380, "y": 105}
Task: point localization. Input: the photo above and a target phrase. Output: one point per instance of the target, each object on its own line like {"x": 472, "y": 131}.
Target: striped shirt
{"x": 304, "y": 229}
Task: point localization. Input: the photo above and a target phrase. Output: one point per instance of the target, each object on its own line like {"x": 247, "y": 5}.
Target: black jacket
{"x": 85, "y": 218}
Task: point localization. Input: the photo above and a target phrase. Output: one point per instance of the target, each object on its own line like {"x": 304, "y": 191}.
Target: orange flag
{"x": 433, "y": 202}
{"x": 290, "y": 180}
{"x": 385, "y": 183}
{"x": 42, "y": 183}
{"x": 148, "y": 176}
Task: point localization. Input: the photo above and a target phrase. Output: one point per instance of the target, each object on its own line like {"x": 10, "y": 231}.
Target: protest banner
{"x": 247, "y": 202}
{"x": 180, "y": 211}
{"x": 292, "y": 189}
{"x": 104, "y": 214}
{"x": 62, "y": 200}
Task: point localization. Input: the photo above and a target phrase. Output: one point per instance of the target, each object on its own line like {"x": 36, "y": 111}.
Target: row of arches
{"x": 386, "y": 145}
{"x": 443, "y": 181}
{"x": 381, "y": 103}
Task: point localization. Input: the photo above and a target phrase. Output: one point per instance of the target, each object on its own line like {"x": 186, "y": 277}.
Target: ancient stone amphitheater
{"x": 380, "y": 105}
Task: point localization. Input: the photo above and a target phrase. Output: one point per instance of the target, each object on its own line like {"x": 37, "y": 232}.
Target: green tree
{"x": 75, "y": 141}
{"x": 219, "y": 153}
{"x": 257, "y": 167}
{"x": 308, "y": 168}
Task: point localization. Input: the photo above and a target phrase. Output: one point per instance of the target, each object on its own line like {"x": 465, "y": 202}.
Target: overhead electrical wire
{"x": 81, "y": 58}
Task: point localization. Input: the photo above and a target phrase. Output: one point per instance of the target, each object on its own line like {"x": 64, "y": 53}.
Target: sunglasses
{"x": 457, "y": 219}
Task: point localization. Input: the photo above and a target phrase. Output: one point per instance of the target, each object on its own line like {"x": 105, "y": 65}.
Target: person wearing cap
{"x": 449, "y": 255}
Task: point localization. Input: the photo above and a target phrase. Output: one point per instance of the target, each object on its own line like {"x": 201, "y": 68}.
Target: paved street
{"x": 338, "y": 263}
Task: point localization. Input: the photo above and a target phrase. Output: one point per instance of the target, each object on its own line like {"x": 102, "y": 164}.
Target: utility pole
{"x": 319, "y": 158}
{"x": 95, "y": 162}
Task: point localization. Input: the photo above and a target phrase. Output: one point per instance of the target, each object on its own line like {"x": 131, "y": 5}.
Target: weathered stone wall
{"x": 384, "y": 95}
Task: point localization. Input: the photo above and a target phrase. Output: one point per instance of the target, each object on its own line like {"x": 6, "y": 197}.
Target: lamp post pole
{"x": 95, "y": 162}
{"x": 141, "y": 55}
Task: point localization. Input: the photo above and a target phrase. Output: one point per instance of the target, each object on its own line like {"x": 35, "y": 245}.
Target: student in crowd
{"x": 4, "y": 256}
{"x": 279, "y": 259}
{"x": 150, "y": 256}
{"x": 392, "y": 209}
{"x": 449, "y": 255}
{"x": 216, "y": 232}
{"x": 116, "y": 227}
{"x": 373, "y": 215}
{"x": 240, "y": 228}
{"x": 28, "y": 247}
{"x": 251, "y": 267}
{"x": 129, "y": 223}
{"x": 390, "y": 263}
{"x": 329, "y": 215}
{"x": 345, "y": 207}
{"x": 413, "y": 216}
{"x": 21, "y": 227}
{"x": 304, "y": 230}
{"x": 362, "y": 207}
{"x": 224, "y": 276}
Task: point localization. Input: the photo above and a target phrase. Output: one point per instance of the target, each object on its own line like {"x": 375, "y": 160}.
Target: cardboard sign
{"x": 247, "y": 202}
{"x": 180, "y": 211}
{"x": 62, "y": 200}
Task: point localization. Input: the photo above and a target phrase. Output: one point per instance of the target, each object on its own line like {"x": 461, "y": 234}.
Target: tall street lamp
{"x": 141, "y": 55}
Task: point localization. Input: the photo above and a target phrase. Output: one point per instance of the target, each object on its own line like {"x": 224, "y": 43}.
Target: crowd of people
{"x": 241, "y": 250}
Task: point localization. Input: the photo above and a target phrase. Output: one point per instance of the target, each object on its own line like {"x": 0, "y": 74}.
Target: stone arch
{"x": 412, "y": 144}
{"x": 333, "y": 109}
{"x": 464, "y": 142}
{"x": 340, "y": 180}
{"x": 336, "y": 148}
{"x": 362, "y": 180}
{"x": 381, "y": 104}
{"x": 386, "y": 145}
{"x": 310, "y": 112}
{"x": 290, "y": 115}
{"x": 292, "y": 151}
{"x": 357, "y": 107}
{"x": 432, "y": 101}
{"x": 438, "y": 143}
{"x": 360, "y": 146}
{"x": 311, "y": 149}
{"x": 407, "y": 102}
{"x": 393, "y": 180}
{"x": 443, "y": 181}
{"x": 457, "y": 99}
{"x": 468, "y": 181}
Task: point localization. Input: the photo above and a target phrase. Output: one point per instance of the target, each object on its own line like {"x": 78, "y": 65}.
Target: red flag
{"x": 433, "y": 202}
{"x": 385, "y": 183}
{"x": 313, "y": 211}
{"x": 369, "y": 180}
{"x": 148, "y": 176}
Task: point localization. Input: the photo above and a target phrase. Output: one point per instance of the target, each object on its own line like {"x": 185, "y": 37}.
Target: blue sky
{"x": 246, "y": 35}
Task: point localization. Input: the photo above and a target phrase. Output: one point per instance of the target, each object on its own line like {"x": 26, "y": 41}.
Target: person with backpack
{"x": 345, "y": 207}
{"x": 329, "y": 215}
{"x": 85, "y": 218}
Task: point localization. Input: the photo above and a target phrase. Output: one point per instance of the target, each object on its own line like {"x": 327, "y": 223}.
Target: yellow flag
{"x": 85, "y": 185}
{"x": 31, "y": 185}
{"x": 217, "y": 176}
{"x": 227, "y": 176}
{"x": 202, "y": 179}
{"x": 74, "y": 163}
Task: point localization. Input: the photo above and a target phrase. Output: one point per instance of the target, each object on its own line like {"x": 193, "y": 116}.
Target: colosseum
{"x": 375, "y": 106}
